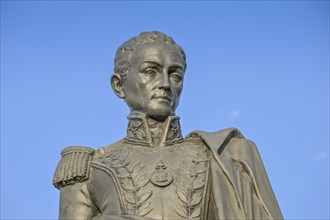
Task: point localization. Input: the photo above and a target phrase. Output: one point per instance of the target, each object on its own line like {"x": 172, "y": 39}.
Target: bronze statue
{"x": 155, "y": 173}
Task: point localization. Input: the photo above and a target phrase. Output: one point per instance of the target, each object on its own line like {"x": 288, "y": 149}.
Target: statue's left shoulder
{"x": 241, "y": 149}
{"x": 218, "y": 141}
{"x": 229, "y": 143}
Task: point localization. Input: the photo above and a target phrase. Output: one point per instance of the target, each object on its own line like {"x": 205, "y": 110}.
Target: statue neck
{"x": 143, "y": 130}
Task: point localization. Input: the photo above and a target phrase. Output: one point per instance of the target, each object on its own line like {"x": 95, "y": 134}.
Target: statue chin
{"x": 159, "y": 116}
{"x": 159, "y": 112}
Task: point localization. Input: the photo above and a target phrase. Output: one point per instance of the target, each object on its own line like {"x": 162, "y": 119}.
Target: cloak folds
{"x": 240, "y": 185}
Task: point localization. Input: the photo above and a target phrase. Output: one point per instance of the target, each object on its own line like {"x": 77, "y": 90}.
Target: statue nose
{"x": 164, "y": 81}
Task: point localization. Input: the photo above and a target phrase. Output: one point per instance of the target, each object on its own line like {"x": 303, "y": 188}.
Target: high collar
{"x": 142, "y": 130}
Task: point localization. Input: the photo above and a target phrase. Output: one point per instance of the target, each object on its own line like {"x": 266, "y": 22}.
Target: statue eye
{"x": 150, "y": 72}
{"x": 176, "y": 77}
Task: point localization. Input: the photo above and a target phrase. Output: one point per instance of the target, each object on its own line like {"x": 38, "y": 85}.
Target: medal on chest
{"x": 161, "y": 177}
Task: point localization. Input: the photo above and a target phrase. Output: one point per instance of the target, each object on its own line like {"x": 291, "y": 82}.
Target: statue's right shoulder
{"x": 74, "y": 166}
{"x": 108, "y": 149}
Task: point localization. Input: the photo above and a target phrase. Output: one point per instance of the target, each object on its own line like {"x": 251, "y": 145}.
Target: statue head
{"x": 148, "y": 74}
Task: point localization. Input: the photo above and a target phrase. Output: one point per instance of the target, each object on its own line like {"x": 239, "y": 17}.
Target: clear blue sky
{"x": 262, "y": 67}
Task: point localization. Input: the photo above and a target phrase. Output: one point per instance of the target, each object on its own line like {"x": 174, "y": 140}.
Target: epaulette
{"x": 74, "y": 166}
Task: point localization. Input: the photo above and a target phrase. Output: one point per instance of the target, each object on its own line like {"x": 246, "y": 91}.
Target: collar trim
{"x": 138, "y": 131}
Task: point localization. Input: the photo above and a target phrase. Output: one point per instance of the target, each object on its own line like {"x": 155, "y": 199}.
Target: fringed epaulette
{"x": 74, "y": 166}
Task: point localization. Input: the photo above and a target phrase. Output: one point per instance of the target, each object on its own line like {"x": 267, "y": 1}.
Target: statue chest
{"x": 170, "y": 182}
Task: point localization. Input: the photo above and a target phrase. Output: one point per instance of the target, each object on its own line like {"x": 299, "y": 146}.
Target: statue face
{"x": 154, "y": 82}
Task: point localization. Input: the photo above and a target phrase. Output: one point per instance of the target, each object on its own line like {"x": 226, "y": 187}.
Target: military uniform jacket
{"x": 216, "y": 175}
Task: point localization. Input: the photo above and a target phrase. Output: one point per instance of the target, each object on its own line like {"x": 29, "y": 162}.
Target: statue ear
{"x": 117, "y": 85}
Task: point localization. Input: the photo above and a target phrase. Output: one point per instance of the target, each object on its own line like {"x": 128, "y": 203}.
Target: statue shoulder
{"x": 74, "y": 166}
{"x": 108, "y": 149}
{"x": 229, "y": 142}
{"x": 218, "y": 140}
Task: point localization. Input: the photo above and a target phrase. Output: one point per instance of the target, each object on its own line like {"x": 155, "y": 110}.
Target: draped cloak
{"x": 241, "y": 187}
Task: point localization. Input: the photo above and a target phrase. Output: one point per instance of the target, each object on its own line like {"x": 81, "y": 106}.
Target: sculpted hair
{"x": 125, "y": 51}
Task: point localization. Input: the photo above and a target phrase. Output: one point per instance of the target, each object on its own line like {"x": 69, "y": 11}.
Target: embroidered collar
{"x": 140, "y": 131}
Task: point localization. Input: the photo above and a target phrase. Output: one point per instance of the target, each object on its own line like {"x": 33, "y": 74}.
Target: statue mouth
{"x": 165, "y": 98}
